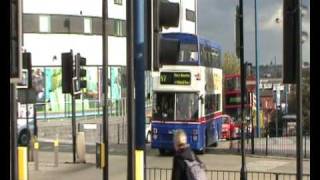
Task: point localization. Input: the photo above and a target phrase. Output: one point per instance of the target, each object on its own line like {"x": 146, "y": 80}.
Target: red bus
{"x": 232, "y": 90}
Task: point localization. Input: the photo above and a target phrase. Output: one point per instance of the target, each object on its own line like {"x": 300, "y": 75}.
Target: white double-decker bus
{"x": 187, "y": 94}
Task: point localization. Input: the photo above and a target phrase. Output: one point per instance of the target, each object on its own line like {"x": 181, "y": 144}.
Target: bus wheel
{"x": 162, "y": 152}
{"x": 203, "y": 151}
{"x": 215, "y": 144}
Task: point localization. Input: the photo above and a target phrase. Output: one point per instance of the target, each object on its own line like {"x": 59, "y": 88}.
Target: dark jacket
{"x": 179, "y": 166}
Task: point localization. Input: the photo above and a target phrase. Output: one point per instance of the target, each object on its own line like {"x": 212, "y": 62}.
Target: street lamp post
{"x": 105, "y": 172}
{"x": 243, "y": 172}
{"x": 257, "y": 70}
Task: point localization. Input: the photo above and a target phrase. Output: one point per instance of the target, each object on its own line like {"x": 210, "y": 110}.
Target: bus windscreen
{"x": 176, "y": 106}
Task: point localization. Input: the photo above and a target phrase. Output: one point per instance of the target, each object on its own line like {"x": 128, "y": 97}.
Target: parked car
{"x": 24, "y": 134}
{"x": 230, "y": 129}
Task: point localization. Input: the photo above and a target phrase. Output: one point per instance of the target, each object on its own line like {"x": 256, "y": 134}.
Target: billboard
{"x": 38, "y": 84}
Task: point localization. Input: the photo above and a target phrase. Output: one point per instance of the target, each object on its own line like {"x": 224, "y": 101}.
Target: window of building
{"x": 44, "y": 23}
{"x": 190, "y": 15}
{"x": 119, "y": 2}
{"x": 118, "y": 28}
{"x": 87, "y": 25}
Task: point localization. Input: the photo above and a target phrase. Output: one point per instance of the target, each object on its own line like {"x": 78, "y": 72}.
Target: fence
{"x": 165, "y": 174}
{"x": 51, "y": 110}
{"x": 284, "y": 144}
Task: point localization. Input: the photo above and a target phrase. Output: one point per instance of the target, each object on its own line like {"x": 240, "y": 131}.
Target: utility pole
{"x": 13, "y": 132}
{"x": 243, "y": 172}
{"x": 73, "y": 124}
{"x": 139, "y": 76}
{"x": 130, "y": 90}
{"x": 105, "y": 174}
{"x": 292, "y": 42}
{"x": 257, "y": 69}
{"x": 15, "y": 75}
{"x": 298, "y": 54}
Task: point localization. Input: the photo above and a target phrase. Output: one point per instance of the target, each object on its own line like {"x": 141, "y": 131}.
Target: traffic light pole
{"x": 257, "y": 71}
{"x": 13, "y": 133}
{"x": 130, "y": 90}
{"x": 74, "y": 145}
{"x": 139, "y": 64}
{"x": 298, "y": 53}
{"x": 105, "y": 173}
{"x": 243, "y": 172}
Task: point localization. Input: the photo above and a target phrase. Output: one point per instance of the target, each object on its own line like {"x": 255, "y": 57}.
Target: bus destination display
{"x": 175, "y": 78}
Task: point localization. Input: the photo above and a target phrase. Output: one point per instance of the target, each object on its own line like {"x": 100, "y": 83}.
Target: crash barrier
{"x": 165, "y": 174}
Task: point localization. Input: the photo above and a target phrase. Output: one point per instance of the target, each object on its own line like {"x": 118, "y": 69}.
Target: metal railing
{"x": 283, "y": 145}
{"x": 116, "y": 108}
{"x": 165, "y": 174}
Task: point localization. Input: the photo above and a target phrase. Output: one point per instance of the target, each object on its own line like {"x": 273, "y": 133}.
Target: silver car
{"x": 25, "y": 133}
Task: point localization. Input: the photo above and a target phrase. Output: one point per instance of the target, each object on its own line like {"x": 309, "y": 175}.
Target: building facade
{"x": 51, "y": 27}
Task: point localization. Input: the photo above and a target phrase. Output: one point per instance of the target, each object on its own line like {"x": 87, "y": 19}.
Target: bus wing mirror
{"x": 201, "y": 99}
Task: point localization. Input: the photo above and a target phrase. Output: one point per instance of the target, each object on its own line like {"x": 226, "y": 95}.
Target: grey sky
{"x": 216, "y": 22}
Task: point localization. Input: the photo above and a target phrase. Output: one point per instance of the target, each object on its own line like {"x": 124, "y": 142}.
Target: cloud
{"x": 216, "y": 21}
{"x": 273, "y": 22}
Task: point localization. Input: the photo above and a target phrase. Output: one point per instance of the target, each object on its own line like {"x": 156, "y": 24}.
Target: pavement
{"x": 118, "y": 164}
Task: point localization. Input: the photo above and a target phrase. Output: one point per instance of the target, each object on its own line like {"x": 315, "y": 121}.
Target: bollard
{"x": 305, "y": 146}
{"x": 22, "y": 163}
{"x": 36, "y": 155}
{"x": 238, "y": 145}
{"x": 267, "y": 137}
{"x": 31, "y": 149}
{"x": 56, "y": 152}
{"x": 81, "y": 147}
{"x": 118, "y": 133}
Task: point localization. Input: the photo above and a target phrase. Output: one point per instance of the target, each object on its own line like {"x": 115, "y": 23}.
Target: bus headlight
{"x": 154, "y": 133}
{"x": 195, "y": 134}
{"x": 154, "y": 136}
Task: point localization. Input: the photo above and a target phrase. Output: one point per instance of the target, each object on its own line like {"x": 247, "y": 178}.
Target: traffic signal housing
{"x": 27, "y": 65}
{"x": 67, "y": 72}
{"x": 164, "y": 14}
{"x": 291, "y": 40}
{"x": 81, "y": 73}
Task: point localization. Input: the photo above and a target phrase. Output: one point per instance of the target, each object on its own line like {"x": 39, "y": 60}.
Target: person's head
{"x": 180, "y": 140}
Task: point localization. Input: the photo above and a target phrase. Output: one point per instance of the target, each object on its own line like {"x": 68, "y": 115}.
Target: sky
{"x": 216, "y": 20}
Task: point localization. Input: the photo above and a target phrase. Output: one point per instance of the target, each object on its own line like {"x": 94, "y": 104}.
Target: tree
{"x": 305, "y": 99}
{"x": 231, "y": 63}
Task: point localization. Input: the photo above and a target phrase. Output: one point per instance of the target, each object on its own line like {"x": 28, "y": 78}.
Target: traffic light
{"x": 67, "y": 71}
{"x": 15, "y": 41}
{"x": 80, "y": 71}
{"x": 27, "y": 65}
{"x": 291, "y": 40}
{"x": 164, "y": 14}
